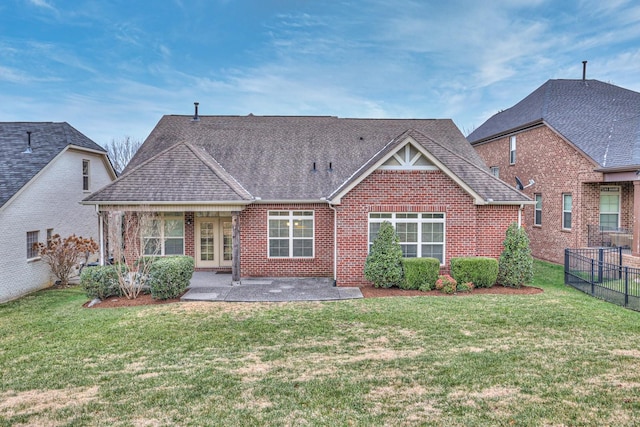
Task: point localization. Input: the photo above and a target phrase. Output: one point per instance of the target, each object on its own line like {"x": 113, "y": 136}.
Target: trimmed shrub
{"x": 481, "y": 271}
{"x": 169, "y": 277}
{"x": 383, "y": 266}
{"x": 446, "y": 284}
{"x": 100, "y": 281}
{"x": 464, "y": 287}
{"x": 516, "y": 263}
{"x": 420, "y": 273}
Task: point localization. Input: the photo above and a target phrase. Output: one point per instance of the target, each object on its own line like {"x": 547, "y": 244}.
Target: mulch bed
{"x": 372, "y": 292}
{"x": 367, "y": 292}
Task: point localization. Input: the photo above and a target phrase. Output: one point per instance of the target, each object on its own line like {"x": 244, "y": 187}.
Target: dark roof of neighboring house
{"x": 271, "y": 158}
{"x": 600, "y": 119}
{"x": 48, "y": 139}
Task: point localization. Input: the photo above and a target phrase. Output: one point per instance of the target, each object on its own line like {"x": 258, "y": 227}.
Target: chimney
{"x": 195, "y": 114}
{"x": 584, "y": 70}
{"x": 28, "y": 150}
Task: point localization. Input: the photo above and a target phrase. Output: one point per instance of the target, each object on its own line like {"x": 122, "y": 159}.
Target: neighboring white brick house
{"x": 40, "y": 193}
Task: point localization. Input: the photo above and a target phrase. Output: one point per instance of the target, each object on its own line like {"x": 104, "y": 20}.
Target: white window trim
{"x": 535, "y": 210}
{"x": 161, "y": 217}
{"x": 291, "y": 218}
{"x": 407, "y": 162}
{"x": 86, "y": 176}
{"x": 609, "y": 190}
{"x": 35, "y": 256}
{"x": 419, "y": 220}
{"x": 565, "y": 210}
{"x": 512, "y": 150}
{"x": 495, "y": 171}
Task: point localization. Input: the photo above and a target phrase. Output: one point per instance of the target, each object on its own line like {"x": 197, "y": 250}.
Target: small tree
{"x": 515, "y": 267}
{"x": 125, "y": 239}
{"x": 383, "y": 266}
{"x": 64, "y": 255}
{"x": 120, "y": 151}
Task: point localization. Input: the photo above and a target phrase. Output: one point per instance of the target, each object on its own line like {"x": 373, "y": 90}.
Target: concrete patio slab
{"x": 207, "y": 286}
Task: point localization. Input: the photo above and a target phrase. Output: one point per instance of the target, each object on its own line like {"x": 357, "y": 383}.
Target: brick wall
{"x": 557, "y": 168}
{"x": 50, "y": 201}
{"x": 254, "y": 259}
{"x": 470, "y": 230}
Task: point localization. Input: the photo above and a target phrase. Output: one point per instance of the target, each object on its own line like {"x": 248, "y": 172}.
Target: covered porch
{"x": 210, "y": 234}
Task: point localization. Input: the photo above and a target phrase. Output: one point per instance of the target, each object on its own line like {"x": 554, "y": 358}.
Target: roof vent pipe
{"x": 584, "y": 70}
{"x": 195, "y": 114}
{"x": 28, "y": 150}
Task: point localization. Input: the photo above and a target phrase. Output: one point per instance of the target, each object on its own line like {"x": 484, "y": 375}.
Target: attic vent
{"x": 195, "y": 114}
{"x": 28, "y": 150}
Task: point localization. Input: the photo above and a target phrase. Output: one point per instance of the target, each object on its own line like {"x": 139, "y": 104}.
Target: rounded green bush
{"x": 481, "y": 271}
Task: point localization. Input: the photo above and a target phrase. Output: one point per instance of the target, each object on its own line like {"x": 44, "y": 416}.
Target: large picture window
{"x": 291, "y": 234}
{"x": 163, "y": 234}
{"x": 421, "y": 235}
{"x": 609, "y": 208}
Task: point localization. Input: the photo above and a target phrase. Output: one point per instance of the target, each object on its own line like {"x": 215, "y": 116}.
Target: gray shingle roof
{"x": 272, "y": 157}
{"x": 182, "y": 173}
{"x": 47, "y": 141}
{"x": 601, "y": 119}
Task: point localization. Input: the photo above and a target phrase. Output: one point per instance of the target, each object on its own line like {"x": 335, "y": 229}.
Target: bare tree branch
{"x": 121, "y": 150}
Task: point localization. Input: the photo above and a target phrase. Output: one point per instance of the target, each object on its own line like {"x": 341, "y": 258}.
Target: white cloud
{"x": 43, "y": 4}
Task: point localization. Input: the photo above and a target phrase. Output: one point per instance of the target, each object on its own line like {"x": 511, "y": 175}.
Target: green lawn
{"x": 555, "y": 358}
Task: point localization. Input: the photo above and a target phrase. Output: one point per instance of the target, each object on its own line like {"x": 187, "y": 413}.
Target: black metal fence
{"x": 599, "y": 272}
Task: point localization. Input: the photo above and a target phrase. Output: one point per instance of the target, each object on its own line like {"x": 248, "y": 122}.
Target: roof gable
{"x": 602, "y": 120}
{"x": 48, "y": 140}
{"x": 181, "y": 173}
{"x": 476, "y": 181}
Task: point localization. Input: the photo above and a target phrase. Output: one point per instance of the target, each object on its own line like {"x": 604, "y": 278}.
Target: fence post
{"x": 592, "y": 274}
{"x": 619, "y": 262}
{"x": 626, "y": 286}
{"x": 566, "y": 265}
{"x": 600, "y": 262}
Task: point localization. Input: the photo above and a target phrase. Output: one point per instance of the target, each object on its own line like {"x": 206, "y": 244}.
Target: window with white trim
{"x": 85, "y": 175}
{"x": 512, "y": 150}
{"x": 421, "y": 235}
{"x": 609, "y": 207}
{"x": 163, "y": 234}
{"x": 291, "y": 234}
{"x": 33, "y": 237}
{"x": 567, "y": 200}
{"x": 537, "y": 218}
{"x": 495, "y": 171}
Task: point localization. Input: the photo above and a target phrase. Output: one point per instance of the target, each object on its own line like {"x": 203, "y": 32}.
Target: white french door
{"x": 213, "y": 242}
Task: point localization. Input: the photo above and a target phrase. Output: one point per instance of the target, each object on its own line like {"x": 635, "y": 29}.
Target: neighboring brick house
{"x": 46, "y": 169}
{"x": 304, "y": 196}
{"x": 579, "y": 141}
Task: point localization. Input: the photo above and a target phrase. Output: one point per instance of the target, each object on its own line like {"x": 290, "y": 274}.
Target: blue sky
{"x": 113, "y": 68}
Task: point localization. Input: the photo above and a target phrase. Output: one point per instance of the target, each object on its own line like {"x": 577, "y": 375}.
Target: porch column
{"x": 635, "y": 247}
{"x": 101, "y": 239}
{"x": 235, "y": 247}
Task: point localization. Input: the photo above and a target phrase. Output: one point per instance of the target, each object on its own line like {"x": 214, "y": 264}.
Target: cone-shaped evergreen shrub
{"x": 516, "y": 263}
{"x": 383, "y": 266}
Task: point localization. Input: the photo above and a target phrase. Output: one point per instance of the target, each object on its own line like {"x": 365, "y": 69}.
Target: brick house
{"x": 304, "y": 196}
{"x": 46, "y": 169}
{"x": 579, "y": 141}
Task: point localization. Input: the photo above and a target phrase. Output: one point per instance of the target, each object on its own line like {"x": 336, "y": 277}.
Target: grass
{"x": 555, "y": 358}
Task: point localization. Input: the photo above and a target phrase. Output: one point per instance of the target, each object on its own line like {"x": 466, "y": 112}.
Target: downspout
{"x": 100, "y": 234}
{"x": 520, "y": 216}
{"x": 335, "y": 243}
